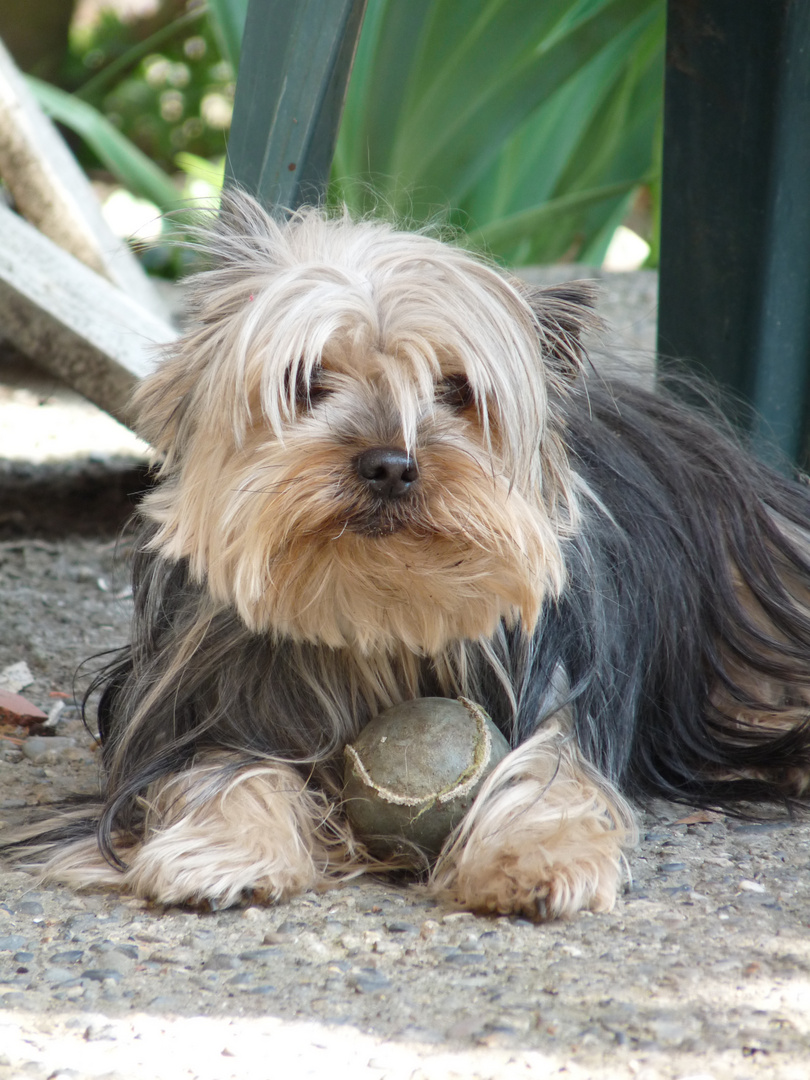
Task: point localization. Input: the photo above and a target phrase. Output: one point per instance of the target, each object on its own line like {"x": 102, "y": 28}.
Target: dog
{"x": 385, "y": 472}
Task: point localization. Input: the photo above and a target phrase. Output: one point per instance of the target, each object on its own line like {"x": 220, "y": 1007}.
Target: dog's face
{"x": 358, "y": 451}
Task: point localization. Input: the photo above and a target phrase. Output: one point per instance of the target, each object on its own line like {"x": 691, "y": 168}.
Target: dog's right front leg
{"x": 222, "y": 830}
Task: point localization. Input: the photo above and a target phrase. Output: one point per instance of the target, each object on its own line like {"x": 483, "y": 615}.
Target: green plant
{"x": 150, "y": 96}
{"x": 530, "y": 124}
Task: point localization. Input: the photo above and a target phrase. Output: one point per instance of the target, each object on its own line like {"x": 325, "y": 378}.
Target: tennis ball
{"x": 414, "y": 771}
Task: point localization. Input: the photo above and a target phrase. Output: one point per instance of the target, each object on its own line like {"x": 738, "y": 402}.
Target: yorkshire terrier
{"x": 384, "y": 474}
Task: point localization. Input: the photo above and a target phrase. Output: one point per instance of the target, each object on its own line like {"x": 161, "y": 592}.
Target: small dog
{"x": 385, "y": 475}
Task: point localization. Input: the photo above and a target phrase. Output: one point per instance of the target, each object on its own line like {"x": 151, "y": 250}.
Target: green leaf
{"x": 484, "y": 109}
{"x": 129, "y": 164}
{"x": 228, "y": 18}
{"x": 510, "y": 230}
{"x": 200, "y": 168}
{"x": 485, "y": 93}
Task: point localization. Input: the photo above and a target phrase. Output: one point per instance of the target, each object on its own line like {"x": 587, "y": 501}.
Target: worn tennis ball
{"x": 413, "y": 772}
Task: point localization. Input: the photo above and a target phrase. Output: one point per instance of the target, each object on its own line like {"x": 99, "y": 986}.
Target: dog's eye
{"x": 455, "y": 392}
{"x": 308, "y": 392}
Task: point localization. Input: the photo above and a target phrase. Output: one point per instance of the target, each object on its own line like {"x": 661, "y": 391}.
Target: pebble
{"x": 401, "y": 928}
{"x": 57, "y": 975}
{"x": 260, "y": 956}
{"x": 368, "y": 981}
{"x": 220, "y": 962}
{"x": 15, "y": 709}
{"x": 178, "y": 955}
{"x": 30, "y": 907}
{"x": 12, "y": 942}
{"x": 102, "y": 974}
{"x": 752, "y": 886}
{"x": 43, "y": 749}
{"x": 15, "y": 677}
{"x": 465, "y": 959}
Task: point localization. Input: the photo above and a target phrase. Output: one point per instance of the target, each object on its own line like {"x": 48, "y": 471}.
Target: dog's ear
{"x": 563, "y": 313}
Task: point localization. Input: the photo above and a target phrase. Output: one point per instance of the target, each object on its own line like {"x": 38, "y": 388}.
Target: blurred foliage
{"x": 533, "y": 125}
{"x": 163, "y": 84}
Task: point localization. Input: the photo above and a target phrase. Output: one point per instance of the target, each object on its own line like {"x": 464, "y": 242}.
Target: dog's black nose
{"x": 388, "y": 471}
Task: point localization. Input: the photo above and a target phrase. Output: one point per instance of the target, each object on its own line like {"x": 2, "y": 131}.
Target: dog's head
{"x": 357, "y": 443}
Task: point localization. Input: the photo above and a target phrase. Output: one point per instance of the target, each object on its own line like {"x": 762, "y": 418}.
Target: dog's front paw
{"x": 218, "y": 832}
{"x": 544, "y": 838}
{"x": 535, "y": 880}
{"x": 192, "y": 863}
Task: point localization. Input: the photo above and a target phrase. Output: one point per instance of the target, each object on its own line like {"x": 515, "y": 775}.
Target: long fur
{"x": 619, "y": 585}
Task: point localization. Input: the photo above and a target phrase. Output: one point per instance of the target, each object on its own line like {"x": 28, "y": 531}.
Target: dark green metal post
{"x": 293, "y": 73}
{"x": 735, "y": 231}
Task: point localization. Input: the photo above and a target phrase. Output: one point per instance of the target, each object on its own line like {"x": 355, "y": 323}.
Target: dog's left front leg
{"x": 215, "y": 833}
{"x": 543, "y": 839}
{"x": 220, "y": 830}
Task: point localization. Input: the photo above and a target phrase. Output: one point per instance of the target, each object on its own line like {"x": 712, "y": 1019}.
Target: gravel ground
{"x": 702, "y": 971}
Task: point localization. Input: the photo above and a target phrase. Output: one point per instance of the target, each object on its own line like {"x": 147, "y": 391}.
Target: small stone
{"x": 754, "y": 827}
{"x": 9, "y": 1000}
{"x": 30, "y": 907}
{"x": 465, "y": 959}
{"x": 260, "y": 956}
{"x": 67, "y": 956}
{"x": 102, "y": 974}
{"x": 473, "y": 945}
{"x": 289, "y": 926}
{"x": 130, "y": 951}
{"x": 274, "y": 938}
{"x": 368, "y": 981}
{"x": 220, "y": 962}
{"x": 752, "y": 886}
{"x": 16, "y": 677}
{"x": 163, "y": 1002}
{"x": 57, "y": 975}
{"x": 43, "y": 749}
{"x": 12, "y": 943}
{"x": 15, "y": 709}
{"x": 114, "y": 958}
{"x": 178, "y": 955}
{"x": 98, "y": 1030}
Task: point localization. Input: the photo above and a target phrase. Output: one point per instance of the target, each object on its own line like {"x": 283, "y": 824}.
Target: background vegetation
{"x": 532, "y": 124}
